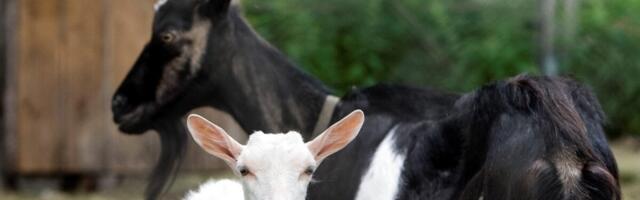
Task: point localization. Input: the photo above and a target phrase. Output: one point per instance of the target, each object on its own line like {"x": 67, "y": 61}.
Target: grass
{"x": 627, "y": 154}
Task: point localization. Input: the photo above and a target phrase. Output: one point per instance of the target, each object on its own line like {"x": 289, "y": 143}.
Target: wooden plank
{"x": 39, "y": 103}
{"x": 3, "y": 64}
{"x": 10, "y": 96}
{"x": 60, "y": 109}
{"x": 82, "y": 103}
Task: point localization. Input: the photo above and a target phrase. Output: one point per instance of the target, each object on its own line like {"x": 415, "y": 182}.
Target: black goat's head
{"x": 171, "y": 60}
{"x": 556, "y": 122}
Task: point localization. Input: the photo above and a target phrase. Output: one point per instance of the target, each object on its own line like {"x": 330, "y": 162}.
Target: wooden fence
{"x": 65, "y": 60}
{"x": 3, "y": 63}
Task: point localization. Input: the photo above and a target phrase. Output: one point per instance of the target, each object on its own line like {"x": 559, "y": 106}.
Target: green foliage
{"x": 456, "y": 45}
{"x": 605, "y": 55}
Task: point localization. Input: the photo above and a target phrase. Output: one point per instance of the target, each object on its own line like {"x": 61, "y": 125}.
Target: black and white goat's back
{"x": 535, "y": 138}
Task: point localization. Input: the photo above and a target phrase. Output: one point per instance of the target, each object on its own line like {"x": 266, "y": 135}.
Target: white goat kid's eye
{"x": 244, "y": 171}
{"x": 309, "y": 171}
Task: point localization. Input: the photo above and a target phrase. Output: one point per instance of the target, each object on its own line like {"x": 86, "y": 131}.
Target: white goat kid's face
{"x": 275, "y": 166}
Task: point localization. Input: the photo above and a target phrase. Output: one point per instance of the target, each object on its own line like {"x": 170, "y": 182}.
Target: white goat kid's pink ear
{"x": 337, "y": 136}
{"x": 214, "y": 139}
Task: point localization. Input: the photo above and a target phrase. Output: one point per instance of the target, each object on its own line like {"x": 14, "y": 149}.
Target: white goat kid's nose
{"x": 284, "y": 192}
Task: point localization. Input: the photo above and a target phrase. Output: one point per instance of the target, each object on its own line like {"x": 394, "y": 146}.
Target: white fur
{"x": 159, "y": 4}
{"x": 278, "y": 162}
{"x": 217, "y": 190}
{"x": 382, "y": 179}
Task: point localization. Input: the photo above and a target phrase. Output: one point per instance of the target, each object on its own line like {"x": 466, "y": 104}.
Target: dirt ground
{"x": 627, "y": 153}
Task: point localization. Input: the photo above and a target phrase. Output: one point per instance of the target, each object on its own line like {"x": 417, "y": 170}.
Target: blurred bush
{"x": 457, "y": 45}
{"x": 606, "y": 55}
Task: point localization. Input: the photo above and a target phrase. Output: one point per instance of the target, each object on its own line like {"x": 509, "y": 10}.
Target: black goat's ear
{"x": 213, "y": 8}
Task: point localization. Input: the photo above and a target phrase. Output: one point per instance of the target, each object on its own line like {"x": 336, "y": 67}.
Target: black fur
{"x": 386, "y": 107}
{"x": 519, "y": 133}
{"x": 500, "y": 142}
{"x": 173, "y": 147}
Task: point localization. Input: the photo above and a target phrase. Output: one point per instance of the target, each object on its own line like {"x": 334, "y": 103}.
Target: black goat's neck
{"x": 259, "y": 86}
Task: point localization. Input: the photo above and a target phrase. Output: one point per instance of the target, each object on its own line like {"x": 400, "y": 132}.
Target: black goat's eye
{"x": 168, "y": 37}
{"x": 244, "y": 171}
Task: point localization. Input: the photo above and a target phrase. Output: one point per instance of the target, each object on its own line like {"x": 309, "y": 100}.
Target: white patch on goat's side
{"x": 159, "y": 4}
{"x": 222, "y": 189}
{"x": 382, "y": 179}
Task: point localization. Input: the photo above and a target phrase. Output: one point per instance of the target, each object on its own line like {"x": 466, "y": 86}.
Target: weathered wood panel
{"x": 71, "y": 56}
{"x": 39, "y": 125}
{"x": 61, "y": 115}
{"x": 9, "y": 21}
{"x": 82, "y": 88}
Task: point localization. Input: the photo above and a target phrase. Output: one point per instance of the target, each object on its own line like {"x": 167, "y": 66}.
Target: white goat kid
{"x": 272, "y": 166}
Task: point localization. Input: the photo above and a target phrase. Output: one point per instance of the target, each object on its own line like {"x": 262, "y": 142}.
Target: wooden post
{"x": 7, "y": 60}
{"x": 8, "y": 23}
{"x": 2, "y": 75}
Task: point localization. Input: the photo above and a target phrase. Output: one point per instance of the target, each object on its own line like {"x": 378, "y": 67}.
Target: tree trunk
{"x": 570, "y": 19}
{"x": 547, "y": 56}
{"x": 569, "y": 29}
